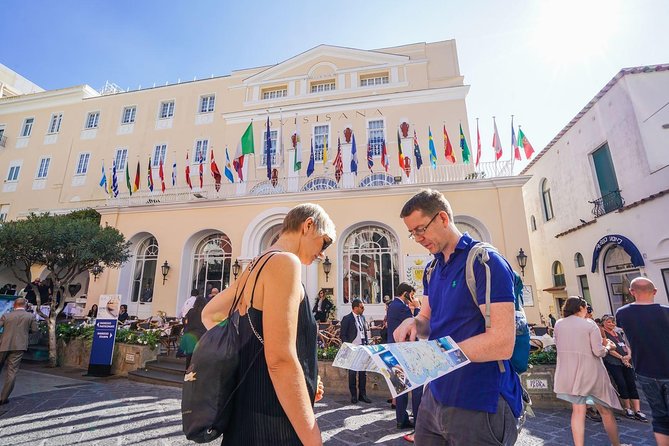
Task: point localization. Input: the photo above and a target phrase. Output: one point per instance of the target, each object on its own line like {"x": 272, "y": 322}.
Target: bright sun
{"x": 573, "y": 31}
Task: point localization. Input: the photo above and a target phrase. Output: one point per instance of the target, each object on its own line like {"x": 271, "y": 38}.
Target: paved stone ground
{"x": 67, "y": 409}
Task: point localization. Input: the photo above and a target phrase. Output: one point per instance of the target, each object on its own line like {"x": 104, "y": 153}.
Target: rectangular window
{"x": 375, "y": 79}
{"x": 82, "y": 164}
{"x": 27, "y": 126}
{"x": 159, "y": 155}
{"x": 54, "y": 125}
{"x": 128, "y": 116}
{"x": 376, "y": 136}
{"x": 201, "y": 147}
{"x": 121, "y": 158}
{"x": 272, "y": 150}
{"x": 275, "y": 93}
{"x": 4, "y": 212}
{"x": 665, "y": 277}
{"x": 13, "y": 174}
{"x": 3, "y": 138}
{"x": 585, "y": 288}
{"x": 207, "y": 103}
{"x": 321, "y": 133}
{"x": 92, "y": 120}
{"x": 43, "y": 169}
{"x": 166, "y": 109}
{"x": 319, "y": 87}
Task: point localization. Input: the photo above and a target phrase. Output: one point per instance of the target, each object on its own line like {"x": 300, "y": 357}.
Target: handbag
{"x": 213, "y": 377}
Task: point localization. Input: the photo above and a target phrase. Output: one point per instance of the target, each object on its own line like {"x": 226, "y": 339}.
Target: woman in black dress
{"x": 274, "y": 403}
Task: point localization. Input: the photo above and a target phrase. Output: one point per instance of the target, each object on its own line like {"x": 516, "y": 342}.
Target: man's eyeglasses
{"x": 327, "y": 241}
{"x": 421, "y": 229}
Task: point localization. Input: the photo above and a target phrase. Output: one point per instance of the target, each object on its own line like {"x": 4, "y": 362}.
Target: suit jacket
{"x": 17, "y": 325}
{"x": 398, "y": 311}
{"x": 322, "y": 313}
{"x": 349, "y": 329}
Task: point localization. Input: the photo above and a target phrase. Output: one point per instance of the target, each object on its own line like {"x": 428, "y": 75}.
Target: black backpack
{"x": 213, "y": 377}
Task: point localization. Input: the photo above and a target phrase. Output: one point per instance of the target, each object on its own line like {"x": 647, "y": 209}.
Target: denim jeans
{"x": 657, "y": 394}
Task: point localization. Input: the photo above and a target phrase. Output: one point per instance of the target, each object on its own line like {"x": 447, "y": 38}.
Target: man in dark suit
{"x": 404, "y": 306}
{"x": 354, "y": 330}
{"x": 17, "y": 325}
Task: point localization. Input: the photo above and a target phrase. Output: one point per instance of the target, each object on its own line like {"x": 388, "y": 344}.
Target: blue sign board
{"x": 102, "y": 350}
{"x": 625, "y": 243}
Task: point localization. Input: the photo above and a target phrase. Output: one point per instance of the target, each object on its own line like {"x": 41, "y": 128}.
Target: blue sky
{"x": 540, "y": 60}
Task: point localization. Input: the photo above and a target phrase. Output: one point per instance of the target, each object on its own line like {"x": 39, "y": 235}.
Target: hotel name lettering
{"x": 329, "y": 117}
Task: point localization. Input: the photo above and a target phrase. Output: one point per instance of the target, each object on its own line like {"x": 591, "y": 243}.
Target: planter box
{"x": 335, "y": 381}
{"x": 127, "y": 357}
{"x": 538, "y": 380}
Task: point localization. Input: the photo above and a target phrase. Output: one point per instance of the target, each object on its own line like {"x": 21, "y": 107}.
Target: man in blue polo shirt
{"x": 478, "y": 404}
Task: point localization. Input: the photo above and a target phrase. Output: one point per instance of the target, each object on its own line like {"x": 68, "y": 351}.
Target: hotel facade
{"x": 55, "y": 144}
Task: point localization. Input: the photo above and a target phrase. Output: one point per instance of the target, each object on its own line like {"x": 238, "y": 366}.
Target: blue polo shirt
{"x": 476, "y": 386}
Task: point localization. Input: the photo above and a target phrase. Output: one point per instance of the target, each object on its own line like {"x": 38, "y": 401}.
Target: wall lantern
{"x": 327, "y": 267}
{"x": 522, "y": 261}
{"x": 165, "y": 268}
{"x": 96, "y": 270}
{"x": 235, "y": 269}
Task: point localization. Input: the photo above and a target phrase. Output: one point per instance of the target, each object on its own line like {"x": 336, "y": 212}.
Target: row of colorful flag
{"x": 246, "y": 147}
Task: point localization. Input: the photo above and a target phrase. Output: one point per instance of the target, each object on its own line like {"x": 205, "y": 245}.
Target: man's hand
{"x": 406, "y": 331}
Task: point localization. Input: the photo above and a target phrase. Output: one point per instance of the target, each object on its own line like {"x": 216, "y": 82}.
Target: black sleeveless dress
{"x": 259, "y": 418}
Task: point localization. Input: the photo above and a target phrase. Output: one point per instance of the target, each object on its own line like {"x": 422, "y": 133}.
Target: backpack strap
{"x": 481, "y": 252}
{"x": 429, "y": 270}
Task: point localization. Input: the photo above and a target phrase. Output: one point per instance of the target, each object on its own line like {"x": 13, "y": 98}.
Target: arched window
{"x": 266, "y": 188}
{"x": 546, "y": 201}
{"x": 578, "y": 260}
{"x": 377, "y": 179}
{"x": 619, "y": 271}
{"x": 558, "y": 274}
{"x": 533, "y": 223}
{"x": 371, "y": 265}
{"x": 211, "y": 263}
{"x": 473, "y": 226}
{"x": 143, "y": 277}
{"x": 270, "y": 237}
{"x": 320, "y": 183}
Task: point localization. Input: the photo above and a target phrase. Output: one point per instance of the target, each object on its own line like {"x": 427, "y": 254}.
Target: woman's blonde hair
{"x": 299, "y": 215}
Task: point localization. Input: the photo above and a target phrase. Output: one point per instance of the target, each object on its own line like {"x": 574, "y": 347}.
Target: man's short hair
{"x": 194, "y": 292}
{"x": 20, "y": 302}
{"x": 355, "y": 303}
{"x": 642, "y": 284}
{"x": 404, "y": 288}
{"x": 429, "y": 202}
{"x": 124, "y": 306}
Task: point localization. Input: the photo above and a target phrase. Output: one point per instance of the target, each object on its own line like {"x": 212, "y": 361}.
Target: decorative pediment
{"x": 323, "y": 59}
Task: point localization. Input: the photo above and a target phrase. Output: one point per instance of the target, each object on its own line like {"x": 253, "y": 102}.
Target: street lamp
{"x": 235, "y": 269}
{"x": 522, "y": 261}
{"x": 165, "y": 268}
{"x": 327, "y": 267}
{"x": 96, "y": 270}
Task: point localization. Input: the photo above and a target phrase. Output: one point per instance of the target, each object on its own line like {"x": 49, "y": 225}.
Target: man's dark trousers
{"x": 13, "y": 360}
{"x": 402, "y": 401}
{"x": 362, "y": 384}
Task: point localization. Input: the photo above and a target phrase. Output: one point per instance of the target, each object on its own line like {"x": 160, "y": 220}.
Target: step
{"x": 167, "y": 367}
{"x": 156, "y": 377}
{"x": 171, "y": 359}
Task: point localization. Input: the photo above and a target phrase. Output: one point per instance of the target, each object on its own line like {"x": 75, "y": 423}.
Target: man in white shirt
{"x": 354, "y": 329}
{"x": 189, "y": 303}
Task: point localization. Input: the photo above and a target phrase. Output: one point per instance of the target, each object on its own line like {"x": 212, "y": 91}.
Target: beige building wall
{"x": 417, "y": 84}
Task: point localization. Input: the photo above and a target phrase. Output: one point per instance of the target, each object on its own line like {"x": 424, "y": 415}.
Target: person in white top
{"x": 189, "y": 303}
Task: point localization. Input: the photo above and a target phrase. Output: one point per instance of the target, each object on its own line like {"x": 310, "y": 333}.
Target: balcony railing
{"x": 316, "y": 183}
{"x": 607, "y": 203}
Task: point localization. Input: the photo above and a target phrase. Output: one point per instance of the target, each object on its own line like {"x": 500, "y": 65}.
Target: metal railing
{"x": 607, "y": 203}
{"x": 302, "y": 184}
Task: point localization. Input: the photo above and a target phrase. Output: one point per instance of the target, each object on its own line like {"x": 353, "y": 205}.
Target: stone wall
{"x": 127, "y": 357}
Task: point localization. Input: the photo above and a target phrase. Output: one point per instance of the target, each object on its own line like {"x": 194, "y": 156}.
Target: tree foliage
{"x": 66, "y": 245}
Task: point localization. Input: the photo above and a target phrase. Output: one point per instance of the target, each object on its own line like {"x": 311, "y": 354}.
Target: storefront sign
{"x": 623, "y": 242}
{"x": 102, "y": 350}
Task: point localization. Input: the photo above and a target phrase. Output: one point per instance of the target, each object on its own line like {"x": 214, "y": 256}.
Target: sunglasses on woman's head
{"x": 327, "y": 241}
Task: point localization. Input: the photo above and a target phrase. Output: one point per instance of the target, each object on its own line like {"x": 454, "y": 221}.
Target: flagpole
{"x": 477, "y": 161}
{"x": 513, "y": 149}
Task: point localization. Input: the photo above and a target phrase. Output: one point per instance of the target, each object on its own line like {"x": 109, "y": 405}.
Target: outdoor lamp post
{"x": 522, "y": 261}
{"x": 165, "y": 268}
{"x": 235, "y": 268}
{"x": 327, "y": 267}
{"x": 96, "y": 270}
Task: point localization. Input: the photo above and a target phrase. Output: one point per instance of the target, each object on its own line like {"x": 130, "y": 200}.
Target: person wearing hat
{"x": 402, "y": 307}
